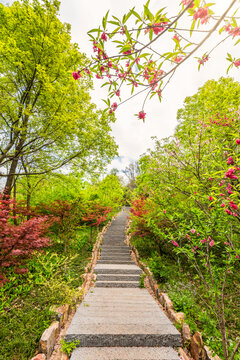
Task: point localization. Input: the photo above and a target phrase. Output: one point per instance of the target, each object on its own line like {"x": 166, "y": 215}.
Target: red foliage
{"x": 138, "y": 208}
{"x": 59, "y": 209}
{"x": 18, "y": 242}
{"x": 96, "y": 215}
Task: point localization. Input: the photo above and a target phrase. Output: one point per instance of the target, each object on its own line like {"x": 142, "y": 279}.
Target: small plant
{"x": 141, "y": 281}
{"x": 68, "y": 347}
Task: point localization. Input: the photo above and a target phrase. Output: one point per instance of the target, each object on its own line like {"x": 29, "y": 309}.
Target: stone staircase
{"x": 118, "y": 320}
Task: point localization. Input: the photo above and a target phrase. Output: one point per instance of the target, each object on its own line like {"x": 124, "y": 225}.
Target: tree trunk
{"x": 28, "y": 205}
{"x": 14, "y": 203}
{"x": 10, "y": 179}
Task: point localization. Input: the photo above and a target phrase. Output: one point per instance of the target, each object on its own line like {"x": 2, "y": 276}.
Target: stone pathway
{"x": 118, "y": 320}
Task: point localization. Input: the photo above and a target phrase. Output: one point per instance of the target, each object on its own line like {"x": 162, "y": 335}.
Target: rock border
{"x": 49, "y": 346}
{"x": 193, "y": 346}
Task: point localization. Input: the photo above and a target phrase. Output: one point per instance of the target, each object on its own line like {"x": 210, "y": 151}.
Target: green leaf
{"x": 128, "y": 35}
{"x": 104, "y": 20}
{"x": 147, "y": 13}
{"x": 114, "y": 22}
{"x": 234, "y": 22}
{"x": 127, "y": 16}
{"x": 94, "y": 30}
{"x": 151, "y": 34}
{"x": 137, "y": 15}
{"x": 192, "y": 27}
{"x": 237, "y": 42}
{"x": 139, "y": 30}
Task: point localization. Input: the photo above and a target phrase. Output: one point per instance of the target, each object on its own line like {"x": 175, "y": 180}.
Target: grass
{"x": 53, "y": 279}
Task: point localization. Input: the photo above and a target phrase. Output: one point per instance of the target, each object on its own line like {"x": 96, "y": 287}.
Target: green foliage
{"x": 141, "y": 281}
{"x": 186, "y": 207}
{"x": 46, "y": 117}
{"x": 68, "y": 347}
{"x": 53, "y": 279}
{"x": 159, "y": 270}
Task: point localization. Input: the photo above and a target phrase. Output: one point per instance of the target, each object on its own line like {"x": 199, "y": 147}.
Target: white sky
{"x": 134, "y": 136}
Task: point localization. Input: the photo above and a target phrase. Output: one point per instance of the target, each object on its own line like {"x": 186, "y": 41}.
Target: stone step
{"x": 117, "y": 253}
{"x": 112, "y": 243}
{"x": 115, "y": 232}
{"x": 118, "y": 322}
{"x": 124, "y": 353}
{"x": 117, "y": 277}
{"x": 116, "y": 257}
{"x": 121, "y": 247}
{"x": 117, "y": 284}
{"x": 115, "y": 262}
{"x": 117, "y": 269}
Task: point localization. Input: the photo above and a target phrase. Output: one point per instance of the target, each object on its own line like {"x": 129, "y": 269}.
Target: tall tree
{"x": 46, "y": 118}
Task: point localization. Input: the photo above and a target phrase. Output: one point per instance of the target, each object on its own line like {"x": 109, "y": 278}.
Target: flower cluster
{"x": 203, "y": 14}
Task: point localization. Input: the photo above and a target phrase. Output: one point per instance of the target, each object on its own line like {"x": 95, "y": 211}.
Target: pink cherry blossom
{"x": 232, "y": 205}
{"x": 201, "y": 13}
{"x": 193, "y": 231}
{"x": 114, "y": 106}
{"x": 186, "y": 2}
{"x": 176, "y": 37}
{"x": 117, "y": 92}
{"x": 177, "y": 59}
{"x": 157, "y": 28}
{"x": 229, "y": 174}
{"x": 210, "y": 198}
{"x": 203, "y": 59}
{"x": 238, "y": 140}
{"x": 141, "y": 115}
{"x": 230, "y": 160}
{"x": 76, "y": 75}
{"x": 175, "y": 243}
{"x": 211, "y": 243}
{"x": 237, "y": 63}
{"x": 104, "y": 36}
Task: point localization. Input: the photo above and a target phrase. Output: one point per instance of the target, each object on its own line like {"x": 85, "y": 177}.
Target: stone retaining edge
{"x": 193, "y": 347}
{"x": 52, "y": 334}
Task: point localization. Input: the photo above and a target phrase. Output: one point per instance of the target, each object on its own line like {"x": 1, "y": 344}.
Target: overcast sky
{"x": 134, "y": 136}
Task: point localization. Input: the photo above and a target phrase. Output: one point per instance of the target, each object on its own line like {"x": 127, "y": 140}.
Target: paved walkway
{"x": 118, "y": 320}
